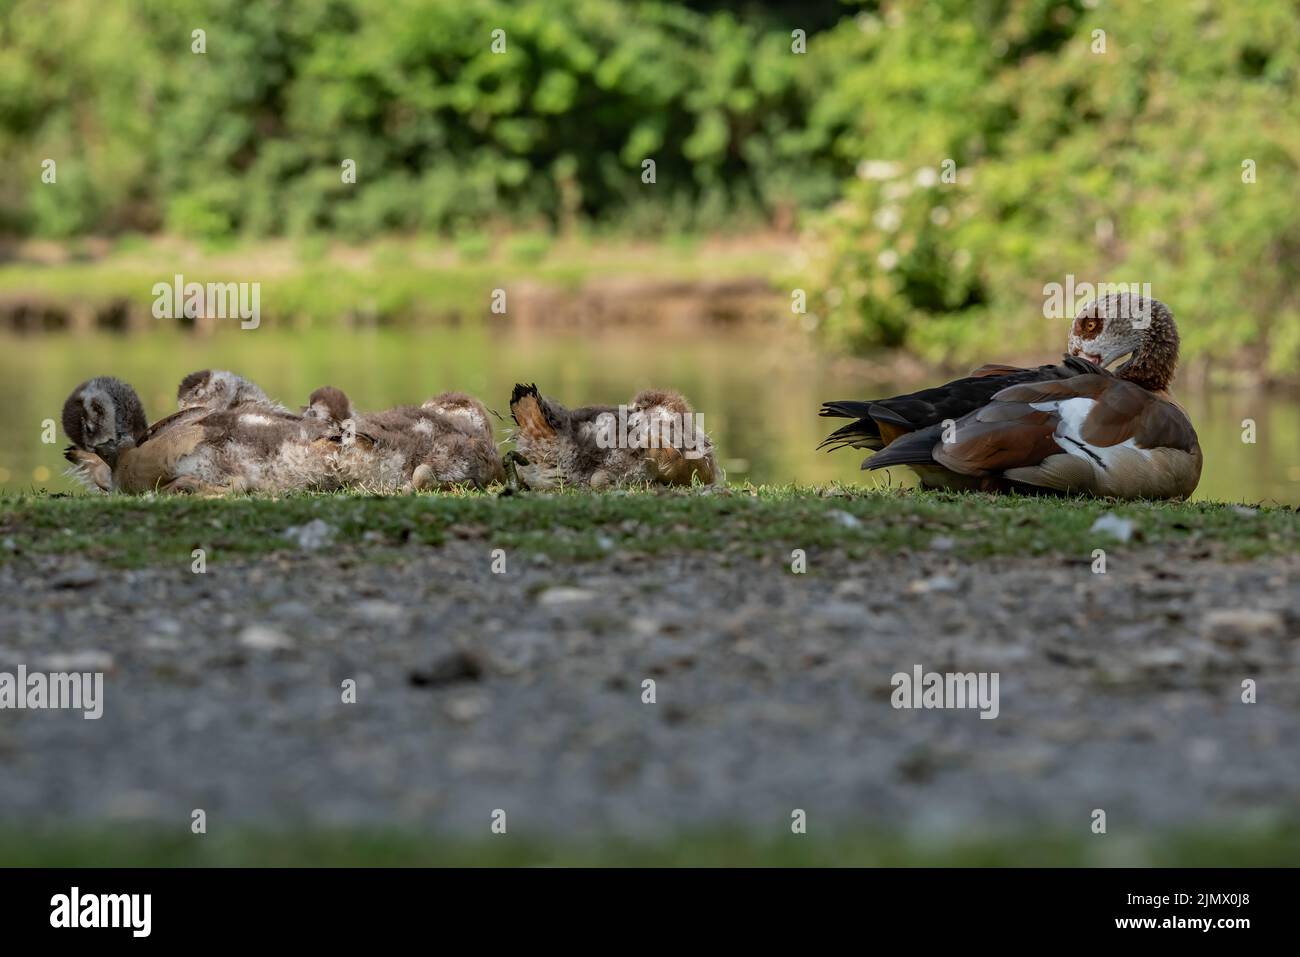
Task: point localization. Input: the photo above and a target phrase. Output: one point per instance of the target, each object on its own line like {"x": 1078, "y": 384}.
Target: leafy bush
{"x": 1114, "y": 165}
{"x": 1117, "y": 166}
{"x": 446, "y": 134}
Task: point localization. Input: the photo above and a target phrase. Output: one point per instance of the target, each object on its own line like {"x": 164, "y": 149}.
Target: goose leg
{"x": 89, "y": 469}
{"x": 511, "y": 461}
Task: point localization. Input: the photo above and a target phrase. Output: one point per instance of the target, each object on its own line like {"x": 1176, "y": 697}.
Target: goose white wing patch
{"x": 1071, "y": 415}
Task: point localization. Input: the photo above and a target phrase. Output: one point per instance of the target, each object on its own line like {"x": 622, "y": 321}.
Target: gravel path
{"x": 522, "y": 691}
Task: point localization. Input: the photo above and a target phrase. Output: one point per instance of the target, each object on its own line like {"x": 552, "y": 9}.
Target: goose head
{"x": 330, "y": 405}
{"x": 104, "y": 416}
{"x": 218, "y": 389}
{"x": 1113, "y": 327}
{"x": 678, "y": 449}
{"x": 464, "y": 410}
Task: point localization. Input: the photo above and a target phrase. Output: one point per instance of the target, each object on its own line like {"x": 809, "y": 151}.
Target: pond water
{"x": 758, "y": 391}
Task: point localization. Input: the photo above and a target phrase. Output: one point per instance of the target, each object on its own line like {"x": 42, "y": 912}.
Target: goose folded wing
{"x": 1000, "y": 436}
{"x": 153, "y": 464}
{"x": 192, "y": 414}
{"x": 1107, "y": 412}
{"x": 994, "y": 369}
{"x": 1092, "y": 433}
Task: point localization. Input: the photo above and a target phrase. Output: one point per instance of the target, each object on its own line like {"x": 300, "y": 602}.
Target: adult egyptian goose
{"x": 444, "y": 443}
{"x": 193, "y": 450}
{"x": 1067, "y": 429}
{"x": 654, "y": 439}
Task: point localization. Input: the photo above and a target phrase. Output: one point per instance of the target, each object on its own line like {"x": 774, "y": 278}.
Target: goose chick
{"x": 218, "y": 389}
{"x": 192, "y": 450}
{"x": 409, "y": 447}
{"x": 603, "y": 446}
{"x": 199, "y": 393}
{"x": 476, "y": 455}
{"x": 464, "y": 409}
{"x": 101, "y": 418}
{"x": 329, "y": 405}
{"x": 675, "y": 441}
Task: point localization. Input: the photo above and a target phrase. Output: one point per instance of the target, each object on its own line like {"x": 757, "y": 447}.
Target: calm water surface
{"x": 759, "y": 392}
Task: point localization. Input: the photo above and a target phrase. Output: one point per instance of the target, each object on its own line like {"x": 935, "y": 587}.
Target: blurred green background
{"x": 918, "y": 170}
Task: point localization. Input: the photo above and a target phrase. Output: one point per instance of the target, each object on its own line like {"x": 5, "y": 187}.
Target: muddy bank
{"x": 666, "y": 304}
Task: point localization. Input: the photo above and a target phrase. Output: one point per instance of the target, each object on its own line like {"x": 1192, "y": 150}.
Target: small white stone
{"x": 565, "y": 596}
{"x": 77, "y": 661}
{"x": 160, "y": 643}
{"x": 467, "y": 708}
{"x": 264, "y": 638}
{"x": 315, "y": 534}
{"x": 1113, "y": 525}
{"x": 379, "y": 612}
{"x": 1163, "y": 658}
{"x": 1222, "y": 623}
{"x": 935, "y": 584}
{"x": 845, "y": 519}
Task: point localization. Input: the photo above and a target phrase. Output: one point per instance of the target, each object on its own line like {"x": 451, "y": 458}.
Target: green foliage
{"x": 446, "y": 134}
{"x": 1122, "y": 165}
{"x": 1116, "y": 166}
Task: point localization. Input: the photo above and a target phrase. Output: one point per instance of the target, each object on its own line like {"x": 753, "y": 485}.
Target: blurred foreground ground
{"x": 523, "y": 691}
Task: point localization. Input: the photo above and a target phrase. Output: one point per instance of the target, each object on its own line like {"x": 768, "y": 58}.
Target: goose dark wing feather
{"x": 926, "y": 407}
{"x": 915, "y": 448}
{"x": 904, "y": 430}
{"x": 845, "y": 409}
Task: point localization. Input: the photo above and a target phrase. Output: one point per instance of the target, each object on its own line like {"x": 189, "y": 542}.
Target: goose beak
{"x": 107, "y": 451}
{"x": 1110, "y": 358}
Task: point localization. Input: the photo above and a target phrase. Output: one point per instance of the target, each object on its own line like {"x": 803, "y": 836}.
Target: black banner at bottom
{"x": 334, "y": 906}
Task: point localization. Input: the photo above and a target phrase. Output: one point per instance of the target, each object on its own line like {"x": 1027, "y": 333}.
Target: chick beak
{"x": 108, "y": 452}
